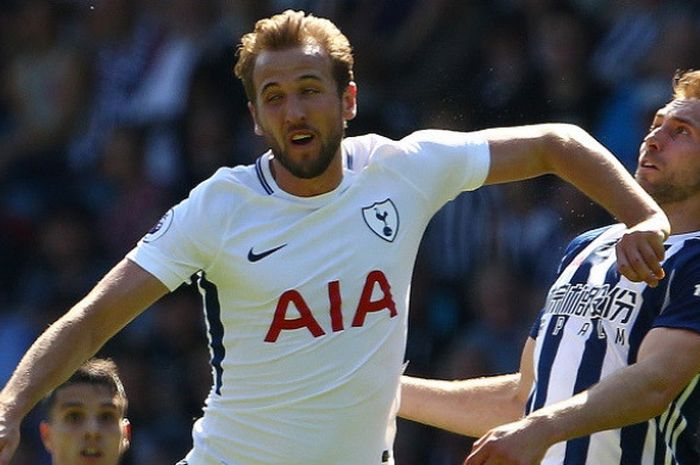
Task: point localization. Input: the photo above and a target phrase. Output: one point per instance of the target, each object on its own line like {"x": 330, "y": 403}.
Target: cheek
{"x": 112, "y": 442}
{"x": 64, "y": 441}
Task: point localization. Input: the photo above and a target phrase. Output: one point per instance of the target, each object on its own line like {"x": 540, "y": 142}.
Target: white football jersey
{"x": 306, "y": 298}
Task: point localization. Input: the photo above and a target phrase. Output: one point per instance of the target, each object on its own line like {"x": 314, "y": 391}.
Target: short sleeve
{"x": 185, "y": 240}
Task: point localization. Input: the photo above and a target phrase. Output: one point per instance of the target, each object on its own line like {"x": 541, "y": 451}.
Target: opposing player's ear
{"x": 256, "y": 127}
{"x": 350, "y": 101}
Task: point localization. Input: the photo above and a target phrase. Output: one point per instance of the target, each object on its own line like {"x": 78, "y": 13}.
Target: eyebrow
{"x": 687, "y": 121}
{"x": 303, "y": 77}
{"x": 68, "y": 405}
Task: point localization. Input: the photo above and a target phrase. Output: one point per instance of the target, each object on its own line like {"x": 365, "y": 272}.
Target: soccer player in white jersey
{"x": 305, "y": 265}
{"x": 610, "y": 373}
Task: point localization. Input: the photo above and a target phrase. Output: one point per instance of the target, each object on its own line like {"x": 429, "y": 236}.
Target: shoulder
{"x": 359, "y": 151}
{"x": 226, "y": 181}
{"x": 683, "y": 251}
{"x": 580, "y": 242}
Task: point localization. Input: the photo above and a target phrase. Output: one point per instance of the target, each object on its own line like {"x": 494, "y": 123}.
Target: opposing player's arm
{"x": 631, "y": 395}
{"x": 116, "y": 300}
{"x": 575, "y": 156}
{"x": 470, "y": 407}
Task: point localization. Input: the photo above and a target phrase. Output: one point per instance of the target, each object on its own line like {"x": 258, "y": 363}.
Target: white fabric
{"x": 325, "y": 392}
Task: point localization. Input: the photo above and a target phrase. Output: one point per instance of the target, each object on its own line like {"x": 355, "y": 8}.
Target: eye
{"x": 107, "y": 417}
{"x": 681, "y": 130}
{"x": 310, "y": 91}
{"x": 73, "y": 417}
{"x": 273, "y": 98}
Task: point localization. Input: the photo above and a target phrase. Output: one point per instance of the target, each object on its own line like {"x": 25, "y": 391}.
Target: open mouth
{"x": 301, "y": 138}
{"x": 91, "y": 452}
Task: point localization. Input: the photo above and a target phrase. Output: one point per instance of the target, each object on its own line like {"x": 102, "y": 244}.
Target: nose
{"x": 92, "y": 427}
{"x": 656, "y": 138}
{"x": 295, "y": 111}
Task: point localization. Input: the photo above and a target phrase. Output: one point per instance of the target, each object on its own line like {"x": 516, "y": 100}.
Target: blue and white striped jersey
{"x": 592, "y": 325}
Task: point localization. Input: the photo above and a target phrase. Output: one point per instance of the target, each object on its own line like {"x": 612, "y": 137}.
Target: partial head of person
{"x": 85, "y": 417}
{"x": 297, "y": 71}
{"x": 669, "y": 160}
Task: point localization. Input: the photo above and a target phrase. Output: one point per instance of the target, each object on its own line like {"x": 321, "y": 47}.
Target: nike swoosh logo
{"x": 254, "y": 257}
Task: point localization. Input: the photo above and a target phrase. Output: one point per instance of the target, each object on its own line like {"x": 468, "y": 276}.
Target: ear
{"x": 126, "y": 435}
{"x": 45, "y": 433}
{"x": 350, "y": 101}
{"x": 251, "y": 108}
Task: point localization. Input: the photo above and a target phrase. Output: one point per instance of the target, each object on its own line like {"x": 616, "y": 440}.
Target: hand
{"x": 515, "y": 443}
{"x": 9, "y": 440}
{"x": 640, "y": 251}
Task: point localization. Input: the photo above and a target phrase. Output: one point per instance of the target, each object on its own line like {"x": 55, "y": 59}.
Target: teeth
{"x": 298, "y": 137}
{"x": 90, "y": 452}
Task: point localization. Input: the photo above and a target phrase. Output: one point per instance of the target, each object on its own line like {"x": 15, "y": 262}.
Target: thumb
{"x": 7, "y": 450}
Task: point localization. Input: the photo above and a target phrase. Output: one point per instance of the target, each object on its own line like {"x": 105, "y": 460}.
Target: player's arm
{"x": 575, "y": 156}
{"x": 116, "y": 300}
{"x": 632, "y": 395}
{"x": 472, "y": 406}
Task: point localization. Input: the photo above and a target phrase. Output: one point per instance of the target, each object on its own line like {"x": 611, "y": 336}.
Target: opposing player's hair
{"x": 96, "y": 372}
{"x": 292, "y": 29}
{"x": 686, "y": 85}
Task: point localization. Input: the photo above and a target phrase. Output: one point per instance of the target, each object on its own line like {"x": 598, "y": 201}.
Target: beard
{"x": 669, "y": 191}
{"x": 310, "y": 167}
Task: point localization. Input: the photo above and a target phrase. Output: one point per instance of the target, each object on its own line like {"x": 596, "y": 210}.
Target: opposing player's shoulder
{"x": 581, "y": 241}
{"x": 683, "y": 250}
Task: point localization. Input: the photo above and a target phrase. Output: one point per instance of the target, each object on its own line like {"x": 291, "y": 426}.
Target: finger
{"x": 624, "y": 266}
{"x": 650, "y": 254}
{"x": 658, "y": 245}
{"x": 474, "y": 459}
{"x": 7, "y": 450}
{"x": 6, "y": 455}
{"x": 642, "y": 269}
{"x": 473, "y": 454}
{"x": 635, "y": 264}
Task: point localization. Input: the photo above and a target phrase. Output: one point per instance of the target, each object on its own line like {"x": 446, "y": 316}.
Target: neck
{"x": 326, "y": 182}
{"x": 683, "y": 216}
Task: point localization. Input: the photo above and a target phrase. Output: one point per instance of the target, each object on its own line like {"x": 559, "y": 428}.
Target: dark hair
{"x": 292, "y": 29}
{"x": 96, "y": 372}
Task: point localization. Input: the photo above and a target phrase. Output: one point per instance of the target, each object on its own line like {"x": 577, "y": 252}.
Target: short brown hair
{"x": 97, "y": 372}
{"x": 292, "y": 29}
{"x": 686, "y": 85}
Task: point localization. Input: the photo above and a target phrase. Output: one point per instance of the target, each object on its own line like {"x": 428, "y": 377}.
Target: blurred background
{"x": 112, "y": 110}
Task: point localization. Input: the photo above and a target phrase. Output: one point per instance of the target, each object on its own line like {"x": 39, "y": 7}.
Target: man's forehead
{"x": 686, "y": 109}
{"x": 271, "y": 65}
{"x": 85, "y": 395}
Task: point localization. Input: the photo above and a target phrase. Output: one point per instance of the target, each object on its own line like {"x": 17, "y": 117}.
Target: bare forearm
{"x": 53, "y": 357}
{"x": 632, "y": 395}
{"x": 585, "y": 163}
{"x": 77, "y": 335}
{"x": 469, "y": 407}
{"x": 576, "y": 157}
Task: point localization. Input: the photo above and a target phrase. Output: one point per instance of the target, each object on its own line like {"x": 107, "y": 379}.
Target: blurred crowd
{"x": 112, "y": 110}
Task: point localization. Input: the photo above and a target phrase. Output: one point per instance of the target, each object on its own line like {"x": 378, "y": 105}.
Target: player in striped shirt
{"x": 609, "y": 375}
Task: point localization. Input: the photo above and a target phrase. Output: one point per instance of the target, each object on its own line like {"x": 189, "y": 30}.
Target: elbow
{"x": 559, "y": 142}
{"x": 656, "y": 398}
